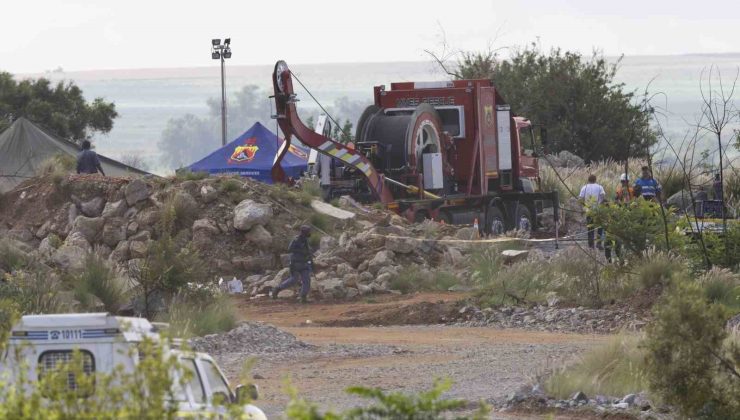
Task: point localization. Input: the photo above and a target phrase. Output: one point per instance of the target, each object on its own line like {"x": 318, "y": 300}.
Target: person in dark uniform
{"x": 301, "y": 265}
{"x": 87, "y": 160}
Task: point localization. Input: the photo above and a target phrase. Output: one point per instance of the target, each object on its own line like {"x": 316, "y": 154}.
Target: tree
{"x": 60, "y": 108}
{"x": 576, "y": 99}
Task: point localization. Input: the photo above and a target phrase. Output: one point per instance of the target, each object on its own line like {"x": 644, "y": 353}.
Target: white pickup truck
{"x": 105, "y": 341}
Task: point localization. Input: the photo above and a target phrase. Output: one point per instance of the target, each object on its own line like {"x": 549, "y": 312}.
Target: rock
{"x": 131, "y": 213}
{"x": 132, "y": 228}
{"x": 351, "y": 279}
{"x": 138, "y": 249}
{"x": 366, "y": 277}
{"x": 21, "y": 234}
{"x": 400, "y": 245}
{"x": 467, "y": 233}
{"x": 114, "y": 209}
{"x": 381, "y": 259}
{"x": 76, "y": 239}
{"x": 331, "y": 288}
{"x": 343, "y": 269}
{"x": 136, "y": 190}
{"x": 114, "y": 232}
{"x": 552, "y": 299}
{"x": 259, "y": 236}
{"x": 88, "y": 227}
{"x": 253, "y": 263}
{"x": 384, "y": 278}
{"x": 207, "y": 226}
{"x": 121, "y": 252}
{"x": 69, "y": 257}
{"x": 454, "y": 257}
{"x": 44, "y": 230}
{"x": 46, "y": 248}
{"x": 249, "y": 213}
{"x": 103, "y": 250}
{"x": 351, "y": 293}
{"x": 629, "y": 399}
{"x": 72, "y": 214}
{"x": 364, "y": 289}
{"x": 287, "y": 293}
{"x": 93, "y": 207}
{"x": 512, "y": 256}
{"x": 389, "y": 269}
{"x": 579, "y": 396}
{"x": 326, "y": 243}
{"x": 621, "y": 405}
{"x": 208, "y": 194}
{"x": 142, "y": 236}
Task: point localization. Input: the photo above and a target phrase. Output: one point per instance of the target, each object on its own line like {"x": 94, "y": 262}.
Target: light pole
{"x": 222, "y": 52}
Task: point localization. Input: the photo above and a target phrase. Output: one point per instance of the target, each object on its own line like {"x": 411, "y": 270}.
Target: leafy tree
{"x": 691, "y": 362}
{"x": 61, "y": 108}
{"x": 576, "y": 98}
{"x": 343, "y": 135}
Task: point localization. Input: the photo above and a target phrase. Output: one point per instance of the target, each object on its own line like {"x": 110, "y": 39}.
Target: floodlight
{"x": 215, "y": 55}
{"x": 227, "y": 54}
{"x": 215, "y": 42}
{"x": 227, "y": 41}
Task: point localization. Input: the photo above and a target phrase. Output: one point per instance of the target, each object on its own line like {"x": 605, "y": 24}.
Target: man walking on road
{"x": 301, "y": 264}
{"x": 592, "y": 195}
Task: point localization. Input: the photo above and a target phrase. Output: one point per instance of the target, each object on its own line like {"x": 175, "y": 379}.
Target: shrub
{"x": 658, "y": 269}
{"x": 311, "y": 186}
{"x": 413, "y": 279}
{"x": 187, "y": 175}
{"x": 614, "y": 368}
{"x": 722, "y": 286}
{"x": 98, "y": 279}
{"x": 320, "y": 221}
{"x": 189, "y": 315}
{"x": 11, "y": 257}
{"x": 230, "y": 185}
{"x": 689, "y": 362}
{"x": 33, "y": 292}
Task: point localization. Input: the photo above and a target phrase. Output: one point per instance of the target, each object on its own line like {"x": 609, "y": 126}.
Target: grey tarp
{"x": 24, "y": 146}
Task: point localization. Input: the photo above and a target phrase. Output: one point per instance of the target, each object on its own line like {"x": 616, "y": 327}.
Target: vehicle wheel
{"x": 523, "y": 219}
{"x": 495, "y": 222}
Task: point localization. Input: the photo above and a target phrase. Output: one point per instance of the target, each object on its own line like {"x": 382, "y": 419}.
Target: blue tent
{"x": 251, "y": 155}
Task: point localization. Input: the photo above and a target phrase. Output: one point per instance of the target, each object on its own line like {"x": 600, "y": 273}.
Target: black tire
{"x": 495, "y": 222}
{"x": 523, "y": 219}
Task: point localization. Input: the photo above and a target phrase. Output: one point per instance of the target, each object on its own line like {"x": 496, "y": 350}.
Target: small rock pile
{"x": 249, "y": 338}
{"x": 544, "y": 318}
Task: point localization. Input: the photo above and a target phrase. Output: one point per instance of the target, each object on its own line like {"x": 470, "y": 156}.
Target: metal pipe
{"x": 223, "y": 103}
{"x": 412, "y": 189}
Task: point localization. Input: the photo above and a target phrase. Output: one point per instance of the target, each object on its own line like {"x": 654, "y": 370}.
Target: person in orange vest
{"x": 625, "y": 193}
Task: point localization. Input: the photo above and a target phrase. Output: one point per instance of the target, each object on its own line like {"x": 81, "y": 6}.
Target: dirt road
{"x": 484, "y": 363}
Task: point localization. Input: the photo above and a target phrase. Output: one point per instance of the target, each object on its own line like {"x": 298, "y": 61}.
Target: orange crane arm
{"x": 291, "y": 125}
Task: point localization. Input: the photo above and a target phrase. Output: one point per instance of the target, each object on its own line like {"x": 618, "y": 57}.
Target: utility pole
{"x": 222, "y": 52}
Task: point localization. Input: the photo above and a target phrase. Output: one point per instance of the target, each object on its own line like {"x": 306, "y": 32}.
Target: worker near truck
{"x": 301, "y": 265}
{"x": 649, "y": 187}
{"x": 592, "y": 195}
{"x": 87, "y": 160}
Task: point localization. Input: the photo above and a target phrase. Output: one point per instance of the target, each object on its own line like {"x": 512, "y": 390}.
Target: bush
{"x": 190, "y": 315}
{"x": 11, "y": 257}
{"x": 320, "y": 221}
{"x": 690, "y": 362}
{"x": 413, "y": 279}
{"x": 613, "y": 368}
{"x": 33, "y": 292}
{"x": 98, "y": 280}
{"x": 311, "y": 186}
{"x": 658, "y": 269}
{"x": 722, "y": 286}
{"x": 187, "y": 175}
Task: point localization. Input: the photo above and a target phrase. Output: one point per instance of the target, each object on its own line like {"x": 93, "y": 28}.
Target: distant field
{"x": 147, "y": 98}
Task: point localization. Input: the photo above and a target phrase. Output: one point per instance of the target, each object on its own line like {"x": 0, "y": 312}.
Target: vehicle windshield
{"x": 215, "y": 380}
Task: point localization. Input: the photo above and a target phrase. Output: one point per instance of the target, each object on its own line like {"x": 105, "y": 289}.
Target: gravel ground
{"x": 484, "y": 363}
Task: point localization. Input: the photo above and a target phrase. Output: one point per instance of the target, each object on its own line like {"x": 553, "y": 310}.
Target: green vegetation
{"x": 575, "y": 97}
{"x": 97, "y": 283}
{"x": 311, "y": 186}
{"x": 197, "y": 314}
{"x": 413, "y": 279}
{"x": 60, "y": 108}
{"x": 388, "y": 405}
{"x": 32, "y": 291}
{"x": 187, "y": 175}
{"x": 614, "y": 368}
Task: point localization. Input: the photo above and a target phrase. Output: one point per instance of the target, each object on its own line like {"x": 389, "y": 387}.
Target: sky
{"x": 41, "y": 35}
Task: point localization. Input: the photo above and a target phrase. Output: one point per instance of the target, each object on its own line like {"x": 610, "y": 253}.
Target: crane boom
{"x": 291, "y": 125}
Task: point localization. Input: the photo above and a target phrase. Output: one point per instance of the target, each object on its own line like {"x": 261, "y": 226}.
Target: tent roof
{"x": 252, "y": 154}
{"x": 24, "y": 146}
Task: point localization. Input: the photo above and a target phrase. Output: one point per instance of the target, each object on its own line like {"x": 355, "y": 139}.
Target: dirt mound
{"x": 249, "y": 338}
{"x": 420, "y": 313}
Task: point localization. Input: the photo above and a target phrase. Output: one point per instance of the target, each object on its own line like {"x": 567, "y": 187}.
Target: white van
{"x": 105, "y": 341}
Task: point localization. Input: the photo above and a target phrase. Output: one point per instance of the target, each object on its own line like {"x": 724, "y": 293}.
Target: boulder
{"x": 389, "y": 269}
{"x": 467, "y": 233}
{"x": 138, "y": 249}
{"x": 351, "y": 279}
{"x": 21, "y": 234}
{"x": 43, "y": 231}
{"x": 114, "y": 209}
{"x": 366, "y": 277}
{"x": 76, "y": 239}
{"x": 381, "y": 259}
{"x": 93, "y": 207}
{"x": 343, "y": 269}
{"x": 69, "y": 257}
{"x": 259, "y": 236}
{"x": 327, "y": 242}
{"x": 136, "y": 190}
{"x": 208, "y": 194}
{"x": 132, "y": 228}
{"x": 142, "y": 236}
{"x": 400, "y": 245}
{"x": 453, "y": 256}
{"x": 364, "y": 289}
{"x": 205, "y": 225}
{"x": 88, "y": 227}
{"x": 512, "y": 256}
{"x": 249, "y": 213}
{"x": 351, "y": 293}
{"x": 121, "y": 252}
{"x": 46, "y": 248}
{"x": 114, "y": 232}
{"x": 253, "y": 263}
{"x": 331, "y": 288}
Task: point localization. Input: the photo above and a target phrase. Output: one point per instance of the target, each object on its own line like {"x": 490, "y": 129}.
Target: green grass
{"x": 188, "y": 317}
{"x": 97, "y": 279}
{"x": 411, "y": 279}
{"x": 311, "y": 187}
{"x": 321, "y": 221}
{"x": 12, "y": 258}
{"x": 614, "y": 368}
{"x": 721, "y": 285}
{"x": 228, "y": 185}
{"x": 190, "y": 176}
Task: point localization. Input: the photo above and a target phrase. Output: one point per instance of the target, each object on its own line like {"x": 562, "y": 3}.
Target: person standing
{"x": 625, "y": 193}
{"x": 301, "y": 264}
{"x": 87, "y": 160}
{"x": 592, "y": 195}
{"x": 649, "y": 187}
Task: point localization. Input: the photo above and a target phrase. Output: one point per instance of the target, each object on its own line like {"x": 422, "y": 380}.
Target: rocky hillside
{"x": 240, "y": 228}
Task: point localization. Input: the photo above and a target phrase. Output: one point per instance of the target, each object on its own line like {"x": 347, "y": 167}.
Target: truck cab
{"x": 104, "y": 341}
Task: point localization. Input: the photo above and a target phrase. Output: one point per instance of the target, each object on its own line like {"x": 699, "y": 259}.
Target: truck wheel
{"x": 495, "y": 222}
{"x": 523, "y": 219}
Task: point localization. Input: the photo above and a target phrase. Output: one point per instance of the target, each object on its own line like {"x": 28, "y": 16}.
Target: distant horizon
{"x": 430, "y": 61}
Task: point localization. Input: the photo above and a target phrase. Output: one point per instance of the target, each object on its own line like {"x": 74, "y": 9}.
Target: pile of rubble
{"x": 249, "y": 338}
{"x": 549, "y": 318}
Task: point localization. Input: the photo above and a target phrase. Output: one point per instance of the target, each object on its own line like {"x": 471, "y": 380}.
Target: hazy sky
{"x": 38, "y": 35}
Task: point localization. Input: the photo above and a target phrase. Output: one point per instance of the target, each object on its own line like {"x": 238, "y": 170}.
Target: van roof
{"x": 90, "y": 325}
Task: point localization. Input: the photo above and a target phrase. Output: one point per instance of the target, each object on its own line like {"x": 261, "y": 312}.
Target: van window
{"x": 54, "y": 360}
{"x": 195, "y": 382}
{"x": 215, "y": 380}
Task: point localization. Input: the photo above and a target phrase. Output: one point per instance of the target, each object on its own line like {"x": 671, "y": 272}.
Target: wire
{"x": 319, "y": 104}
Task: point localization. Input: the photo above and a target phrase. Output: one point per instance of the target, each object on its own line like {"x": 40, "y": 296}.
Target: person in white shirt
{"x": 593, "y": 194}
